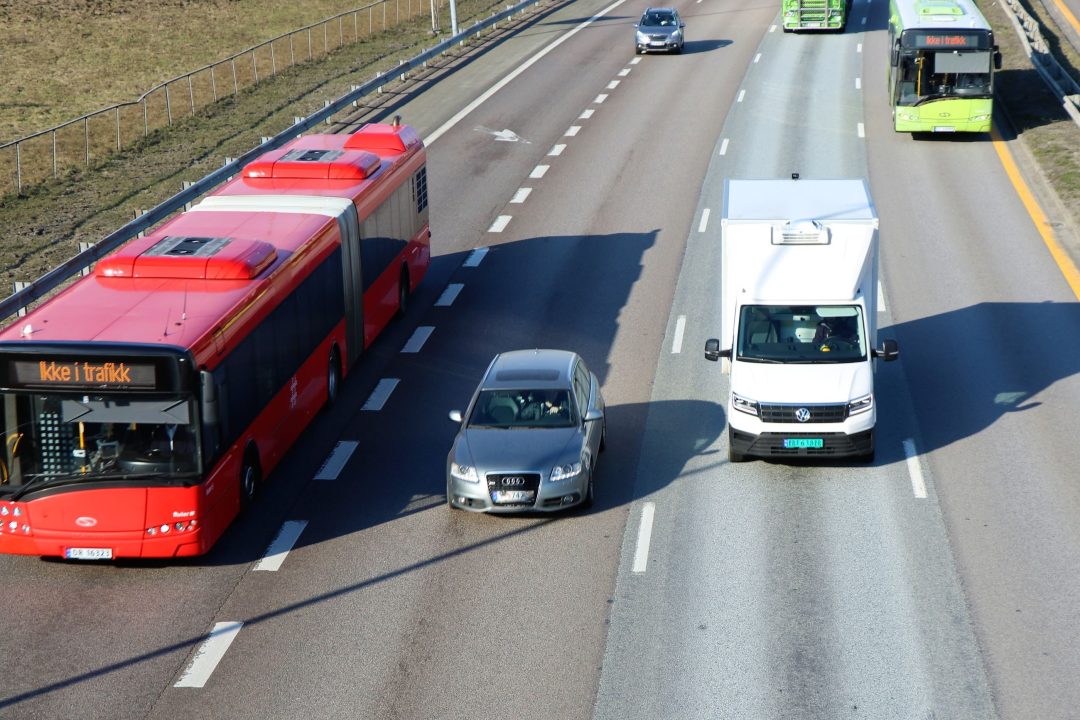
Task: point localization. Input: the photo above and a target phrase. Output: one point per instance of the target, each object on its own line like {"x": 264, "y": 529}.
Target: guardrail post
{"x": 329, "y": 120}
{"x": 354, "y": 88}
{"x": 83, "y": 247}
{"x": 184, "y": 186}
{"x": 18, "y": 287}
{"x": 54, "y": 164}
{"x": 86, "y": 140}
{"x": 213, "y": 81}
{"x": 135, "y": 216}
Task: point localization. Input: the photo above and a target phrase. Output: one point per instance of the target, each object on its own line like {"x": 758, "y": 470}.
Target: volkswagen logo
{"x": 86, "y": 522}
{"x": 513, "y": 481}
{"x": 802, "y": 415}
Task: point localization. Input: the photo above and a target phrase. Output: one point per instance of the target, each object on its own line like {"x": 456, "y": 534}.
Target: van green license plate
{"x": 792, "y": 443}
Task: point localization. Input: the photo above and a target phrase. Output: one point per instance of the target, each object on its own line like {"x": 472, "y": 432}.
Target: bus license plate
{"x": 804, "y": 443}
{"x": 88, "y": 553}
{"x": 512, "y": 496}
{"x": 944, "y": 128}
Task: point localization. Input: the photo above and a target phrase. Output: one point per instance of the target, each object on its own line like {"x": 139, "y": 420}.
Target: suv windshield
{"x": 72, "y": 437}
{"x": 523, "y": 409}
{"x": 801, "y": 334}
{"x": 658, "y": 19}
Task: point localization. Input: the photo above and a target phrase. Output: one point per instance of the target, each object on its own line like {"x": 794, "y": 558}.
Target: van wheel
{"x": 333, "y": 378}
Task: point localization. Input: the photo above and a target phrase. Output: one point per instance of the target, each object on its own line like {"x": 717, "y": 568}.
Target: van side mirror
{"x": 889, "y": 351}
{"x": 713, "y": 351}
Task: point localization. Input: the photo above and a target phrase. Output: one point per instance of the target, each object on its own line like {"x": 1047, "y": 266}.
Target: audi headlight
{"x": 860, "y": 405}
{"x": 745, "y": 405}
{"x": 565, "y": 472}
{"x": 466, "y": 473}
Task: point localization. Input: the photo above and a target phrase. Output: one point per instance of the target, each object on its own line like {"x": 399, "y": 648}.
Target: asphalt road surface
{"x": 695, "y": 588}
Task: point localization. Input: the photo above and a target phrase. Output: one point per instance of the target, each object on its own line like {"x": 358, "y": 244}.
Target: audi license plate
{"x": 88, "y": 553}
{"x": 512, "y": 496}
{"x": 803, "y": 443}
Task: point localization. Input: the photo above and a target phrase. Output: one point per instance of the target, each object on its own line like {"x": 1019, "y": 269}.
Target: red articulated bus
{"x": 142, "y": 406}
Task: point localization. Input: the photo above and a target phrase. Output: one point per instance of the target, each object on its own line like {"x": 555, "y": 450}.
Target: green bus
{"x": 941, "y": 61}
{"x": 814, "y": 14}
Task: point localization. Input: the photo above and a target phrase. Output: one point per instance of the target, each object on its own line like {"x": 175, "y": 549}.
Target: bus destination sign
{"x": 940, "y": 41}
{"x": 100, "y": 374}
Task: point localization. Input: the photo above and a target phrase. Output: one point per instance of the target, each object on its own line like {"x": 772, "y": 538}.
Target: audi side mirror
{"x": 455, "y": 415}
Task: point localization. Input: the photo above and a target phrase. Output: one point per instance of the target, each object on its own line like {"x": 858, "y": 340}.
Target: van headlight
{"x": 860, "y": 405}
{"x": 745, "y": 405}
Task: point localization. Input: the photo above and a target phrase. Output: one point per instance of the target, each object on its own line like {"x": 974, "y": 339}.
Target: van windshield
{"x": 801, "y": 334}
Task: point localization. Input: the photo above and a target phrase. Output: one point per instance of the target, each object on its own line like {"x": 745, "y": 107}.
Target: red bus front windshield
{"x": 55, "y": 440}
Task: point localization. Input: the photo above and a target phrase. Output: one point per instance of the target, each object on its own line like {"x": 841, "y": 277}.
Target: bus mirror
{"x": 209, "y": 397}
{"x": 997, "y": 59}
{"x": 895, "y": 55}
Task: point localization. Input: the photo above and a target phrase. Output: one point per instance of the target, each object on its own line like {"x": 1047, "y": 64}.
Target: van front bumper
{"x": 780, "y": 445}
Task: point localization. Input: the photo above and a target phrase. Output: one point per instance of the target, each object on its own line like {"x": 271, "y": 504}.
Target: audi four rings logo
{"x": 85, "y": 521}
{"x": 802, "y": 414}
{"x": 516, "y": 480}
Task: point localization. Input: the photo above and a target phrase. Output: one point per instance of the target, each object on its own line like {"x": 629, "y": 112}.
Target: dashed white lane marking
{"x": 419, "y": 337}
{"x": 880, "y": 298}
{"x": 337, "y": 459}
{"x": 772, "y": 28}
{"x": 572, "y": 130}
{"x": 586, "y": 114}
{"x": 556, "y": 150}
{"x": 723, "y": 147}
{"x": 281, "y": 545}
{"x": 517, "y": 71}
{"x": 209, "y": 654}
{"x": 500, "y": 223}
{"x": 520, "y": 195}
{"x": 538, "y": 172}
{"x": 380, "y": 394}
{"x": 858, "y": 48}
{"x": 858, "y": 83}
{"x": 624, "y": 72}
{"x": 449, "y": 295}
{"x": 757, "y": 57}
{"x": 704, "y": 220}
{"x": 742, "y": 94}
{"x": 600, "y": 98}
{"x": 635, "y": 61}
{"x": 680, "y": 328}
{"x": 613, "y": 84}
{"x": 644, "y": 537}
{"x": 862, "y": 130}
{"x": 475, "y": 257}
{"x": 918, "y": 485}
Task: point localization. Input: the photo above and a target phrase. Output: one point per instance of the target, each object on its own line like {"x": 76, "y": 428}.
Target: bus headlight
{"x": 746, "y": 405}
{"x": 980, "y": 118}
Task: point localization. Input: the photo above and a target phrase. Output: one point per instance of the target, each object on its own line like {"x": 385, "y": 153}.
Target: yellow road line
{"x": 1064, "y": 262}
{"x": 1068, "y": 15}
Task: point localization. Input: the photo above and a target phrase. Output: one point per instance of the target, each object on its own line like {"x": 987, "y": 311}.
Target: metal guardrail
{"x": 95, "y": 135}
{"x": 1060, "y": 82}
{"x": 37, "y": 289}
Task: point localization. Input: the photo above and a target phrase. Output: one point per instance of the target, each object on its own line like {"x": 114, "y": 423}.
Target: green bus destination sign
{"x": 83, "y": 374}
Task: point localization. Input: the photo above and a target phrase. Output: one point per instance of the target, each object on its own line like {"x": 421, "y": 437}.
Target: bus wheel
{"x": 249, "y": 480}
{"x": 333, "y": 378}
{"x": 403, "y": 292}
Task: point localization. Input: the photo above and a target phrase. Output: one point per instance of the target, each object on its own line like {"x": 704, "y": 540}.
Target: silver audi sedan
{"x": 659, "y": 29}
{"x": 530, "y": 436}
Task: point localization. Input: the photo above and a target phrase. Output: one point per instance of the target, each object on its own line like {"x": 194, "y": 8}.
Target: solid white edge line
{"x": 475, "y": 257}
{"x": 209, "y": 654}
{"x": 521, "y": 195}
{"x": 861, "y": 130}
{"x": 538, "y": 172}
{"x": 644, "y": 537}
{"x": 680, "y": 328}
{"x": 723, "y": 147}
{"x": 380, "y": 394}
{"x": 918, "y": 484}
{"x": 500, "y": 223}
{"x": 335, "y": 461}
{"x": 446, "y": 126}
{"x": 281, "y": 545}
{"x": 704, "y": 221}
{"x": 449, "y": 295}
{"x": 419, "y": 337}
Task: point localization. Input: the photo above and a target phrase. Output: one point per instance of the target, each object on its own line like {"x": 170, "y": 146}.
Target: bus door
{"x": 349, "y": 225}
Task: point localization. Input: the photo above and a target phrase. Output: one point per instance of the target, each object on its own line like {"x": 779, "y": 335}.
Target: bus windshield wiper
{"x": 40, "y": 479}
